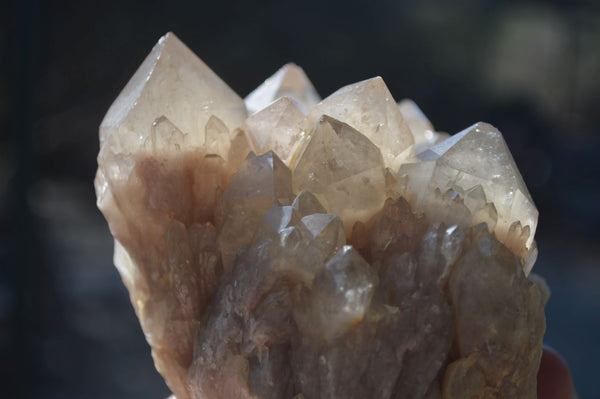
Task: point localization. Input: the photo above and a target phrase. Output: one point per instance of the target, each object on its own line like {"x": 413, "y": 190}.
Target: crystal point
{"x": 343, "y": 169}
{"x": 342, "y": 294}
{"x": 307, "y": 204}
{"x": 194, "y": 93}
{"x": 216, "y": 137}
{"x": 420, "y": 127}
{"x": 369, "y": 107}
{"x": 289, "y": 81}
{"x": 277, "y": 128}
{"x": 478, "y": 162}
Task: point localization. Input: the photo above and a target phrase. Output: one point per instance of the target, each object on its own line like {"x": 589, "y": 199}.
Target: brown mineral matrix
{"x": 317, "y": 249}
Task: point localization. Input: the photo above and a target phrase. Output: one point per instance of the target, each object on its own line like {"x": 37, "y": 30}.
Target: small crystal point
{"x": 164, "y": 137}
{"x": 277, "y": 128}
{"x": 216, "y": 137}
{"x": 369, "y": 107}
{"x": 342, "y": 294}
{"x": 325, "y": 236}
{"x": 318, "y": 224}
{"x": 475, "y": 198}
{"x": 420, "y": 127}
{"x": 238, "y": 151}
{"x": 289, "y": 81}
{"x": 306, "y": 203}
{"x": 263, "y": 176}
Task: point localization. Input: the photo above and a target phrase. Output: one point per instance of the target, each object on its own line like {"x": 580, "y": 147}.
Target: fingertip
{"x": 554, "y": 377}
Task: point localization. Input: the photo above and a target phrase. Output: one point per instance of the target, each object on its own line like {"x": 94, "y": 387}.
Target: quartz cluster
{"x": 285, "y": 246}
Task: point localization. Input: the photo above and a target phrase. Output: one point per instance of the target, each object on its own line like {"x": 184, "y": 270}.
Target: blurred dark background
{"x": 532, "y": 68}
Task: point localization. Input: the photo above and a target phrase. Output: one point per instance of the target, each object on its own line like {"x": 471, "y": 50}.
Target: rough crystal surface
{"x": 306, "y": 252}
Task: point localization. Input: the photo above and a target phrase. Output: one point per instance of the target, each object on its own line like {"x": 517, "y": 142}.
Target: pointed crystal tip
{"x": 289, "y": 81}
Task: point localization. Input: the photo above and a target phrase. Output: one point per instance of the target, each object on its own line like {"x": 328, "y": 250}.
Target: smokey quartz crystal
{"x": 287, "y": 247}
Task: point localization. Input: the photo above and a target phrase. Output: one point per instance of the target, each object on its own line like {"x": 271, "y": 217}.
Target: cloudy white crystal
{"x": 420, "y": 127}
{"x": 343, "y": 169}
{"x": 289, "y": 81}
{"x": 278, "y": 128}
{"x": 476, "y": 157}
{"x": 369, "y": 107}
{"x": 172, "y": 82}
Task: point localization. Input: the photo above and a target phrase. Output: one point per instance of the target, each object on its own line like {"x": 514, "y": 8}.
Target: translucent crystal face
{"x": 343, "y": 169}
{"x": 172, "y": 82}
{"x": 476, "y": 165}
{"x": 290, "y": 81}
{"x": 369, "y": 107}
{"x": 317, "y": 249}
{"x": 278, "y": 128}
{"x": 420, "y": 127}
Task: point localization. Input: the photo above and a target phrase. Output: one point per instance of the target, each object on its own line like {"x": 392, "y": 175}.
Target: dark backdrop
{"x": 531, "y": 68}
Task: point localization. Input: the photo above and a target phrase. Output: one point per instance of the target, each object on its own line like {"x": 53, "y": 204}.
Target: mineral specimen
{"x": 317, "y": 249}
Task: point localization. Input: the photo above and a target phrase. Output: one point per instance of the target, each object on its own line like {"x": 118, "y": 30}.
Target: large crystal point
{"x": 307, "y": 257}
{"x": 289, "y": 81}
{"x": 343, "y": 169}
{"x": 369, "y": 107}
{"x": 172, "y": 81}
{"x": 477, "y": 156}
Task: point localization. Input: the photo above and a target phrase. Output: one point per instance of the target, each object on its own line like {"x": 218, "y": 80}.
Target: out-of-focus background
{"x": 532, "y": 68}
